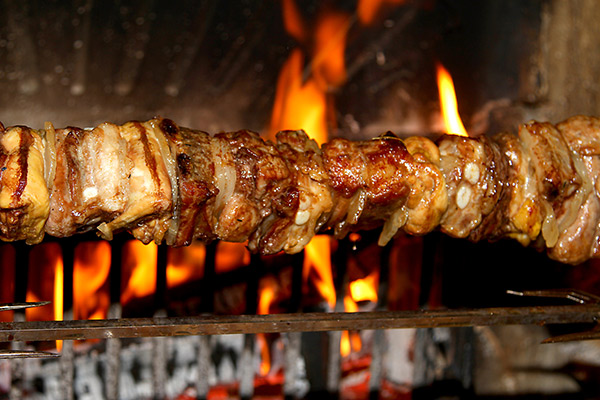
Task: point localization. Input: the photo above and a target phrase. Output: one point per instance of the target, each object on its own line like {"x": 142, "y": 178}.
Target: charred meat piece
{"x": 474, "y": 174}
{"x": 24, "y": 202}
{"x": 91, "y": 181}
{"x": 171, "y": 184}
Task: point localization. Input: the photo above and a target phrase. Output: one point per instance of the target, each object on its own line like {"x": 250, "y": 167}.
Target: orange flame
{"x": 350, "y": 339}
{"x": 301, "y": 99}
{"x": 45, "y": 261}
{"x": 91, "y": 267}
{"x": 293, "y": 22}
{"x": 266, "y": 296}
{"x": 298, "y": 104}
{"x": 139, "y": 265}
{"x": 59, "y": 295}
{"x": 365, "y": 289}
{"x": 317, "y": 264}
{"x": 231, "y": 256}
{"x": 368, "y": 10}
{"x": 185, "y": 264}
{"x": 452, "y": 120}
{"x": 302, "y": 102}
{"x": 328, "y": 62}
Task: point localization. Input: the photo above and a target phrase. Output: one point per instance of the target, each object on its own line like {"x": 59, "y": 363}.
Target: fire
{"x": 299, "y": 104}
{"x": 363, "y": 289}
{"x": 59, "y": 295}
{"x": 452, "y": 120}
{"x": 350, "y": 339}
{"x": 302, "y": 99}
{"x": 266, "y": 296}
{"x": 90, "y": 280}
{"x": 231, "y": 256}
{"x": 58, "y": 290}
{"x": 293, "y": 22}
{"x": 328, "y": 63}
{"x": 45, "y": 273}
{"x": 139, "y": 266}
{"x": 185, "y": 264}
{"x": 317, "y": 264}
{"x": 368, "y": 10}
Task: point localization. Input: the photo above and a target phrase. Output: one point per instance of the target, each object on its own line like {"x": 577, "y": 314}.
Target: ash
{"x": 44, "y": 380}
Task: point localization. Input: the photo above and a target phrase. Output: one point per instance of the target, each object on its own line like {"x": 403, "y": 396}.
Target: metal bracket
{"x": 578, "y": 296}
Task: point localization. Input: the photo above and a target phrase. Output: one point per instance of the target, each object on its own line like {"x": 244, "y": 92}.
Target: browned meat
{"x": 147, "y": 210}
{"x": 170, "y": 184}
{"x": 580, "y": 239}
{"x": 300, "y": 197}
{"x": 23, "y": 190}
{"x": 474, "y": 175}
{"x": 383, "y": 182}
{"x": 195, "y": 171}
{"x": 91, "y": 182}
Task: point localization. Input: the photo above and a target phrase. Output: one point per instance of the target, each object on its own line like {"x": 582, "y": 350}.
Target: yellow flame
{"x": 318, "y": 260}
{"x": 265, "y": 299}
{"x": 58, "y": 295}
{"x": 140, "y": 260}
{"x": 299, "y": 104}
{"x": 350, "y": 339}
{"x": 185, "y": 264}
{"x": 91, "y": 267}
{"x": 452, "y": 120}
{"x": 365, "y": 289}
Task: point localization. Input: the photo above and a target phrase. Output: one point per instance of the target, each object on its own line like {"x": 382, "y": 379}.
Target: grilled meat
{"x": 171, "y": 184}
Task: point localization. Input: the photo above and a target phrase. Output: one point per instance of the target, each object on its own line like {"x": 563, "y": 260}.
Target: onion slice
{"x": 171, "y": 165}
{"x": 49, "y": 155}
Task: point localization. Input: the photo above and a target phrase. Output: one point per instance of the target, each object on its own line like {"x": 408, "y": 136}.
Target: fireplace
{"x": 350, "y": 69}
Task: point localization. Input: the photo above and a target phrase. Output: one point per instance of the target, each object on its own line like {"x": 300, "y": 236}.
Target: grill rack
{"x": 115, "y": 328}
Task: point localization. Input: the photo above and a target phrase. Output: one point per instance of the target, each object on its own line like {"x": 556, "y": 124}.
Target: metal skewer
{"x": 21, "y": 306}
{"x": 11, "y": 354}
{"x": 305, "y": 322}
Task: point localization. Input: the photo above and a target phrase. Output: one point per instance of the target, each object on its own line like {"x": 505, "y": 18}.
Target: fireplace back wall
{"x": 216, "y": 67}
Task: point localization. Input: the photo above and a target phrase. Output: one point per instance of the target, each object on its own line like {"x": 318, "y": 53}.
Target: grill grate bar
{"x": 300, "y": 322}
{"x": 113, "y": 346}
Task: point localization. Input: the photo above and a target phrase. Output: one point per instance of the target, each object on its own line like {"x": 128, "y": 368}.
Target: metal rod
{"x": 293, "y": 372}
{"x": 301, "y": 322}
{"x": 20, "y": 306}
{"x": 246, "y": 375}
{"x": 20, "y": 296}
{"x": 202, "y": 384}
{"x": 113, "y": 346}
{"x": 208, "y": 281}
{"x": 159, "y": 345}
{"x": 67, "y": 360}
{"x": 12, "y": 354}
{"x": 160, "y": 293}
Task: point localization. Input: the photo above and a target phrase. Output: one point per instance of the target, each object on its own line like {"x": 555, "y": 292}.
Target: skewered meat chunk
{"x": 24, "y": 204}
{"x": 193, "y": 177}
{"x": 147, "y": 210}
{"x": 90, "y": 184}
{"x": 381, "y": 182}
{"x": 301, "y": 198}
{"x": 474, "y": 179}
{"x": 580, "y": 239}
{"x": 171, "y": 184}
